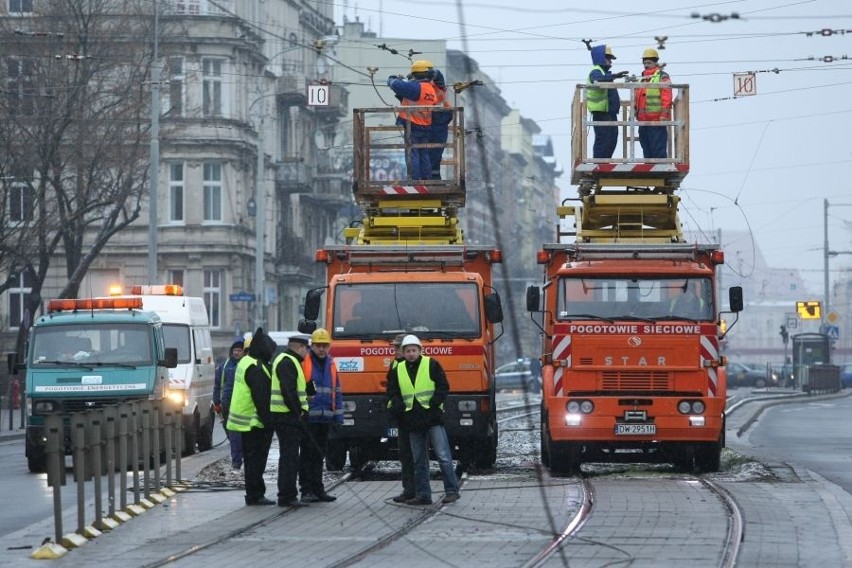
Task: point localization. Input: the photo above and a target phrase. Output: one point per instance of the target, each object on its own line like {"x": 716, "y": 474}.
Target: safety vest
{"x": 649, "y": 102}
{"x": 323, "y": 392}
{"x": 276, "y": 403}
{"x": 243, "y": 415}
{"x": 597, "y": 99}
{"x": 421, "y": 117}
{"x": 422, "y": 388}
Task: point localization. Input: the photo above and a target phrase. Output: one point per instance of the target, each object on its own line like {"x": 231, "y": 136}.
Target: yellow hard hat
{"x": 320, "y": 335}
{"x": 246, "y": 343}
{"x": 608, "y": 52}
{"x": 421, "y": 66}
{"x": 650, "y": 53}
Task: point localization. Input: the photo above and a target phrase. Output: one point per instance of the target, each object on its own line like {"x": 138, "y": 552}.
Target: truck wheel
{"x": 357, "y": 458}
{"x": 190, "y": 436}
{"x": 708, "y": 458}
{"x": 205, "y": 434}
{"x": 486, "y": 456}
{"x": 565, "y": 461}
{"x": 543, "y": 437}
{"x": 335, "y": 455}
{"x": 37, "y": 463}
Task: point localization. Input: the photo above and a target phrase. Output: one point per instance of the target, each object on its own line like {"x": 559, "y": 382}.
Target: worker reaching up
{"x": 653, "y": 104}
{"x": 420, "y": 92}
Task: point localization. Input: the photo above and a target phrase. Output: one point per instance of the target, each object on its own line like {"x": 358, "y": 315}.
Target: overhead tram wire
{"x": 506, "y": 273}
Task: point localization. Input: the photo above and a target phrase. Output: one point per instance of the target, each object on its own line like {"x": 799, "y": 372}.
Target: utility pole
{"x": 154, "y": 169}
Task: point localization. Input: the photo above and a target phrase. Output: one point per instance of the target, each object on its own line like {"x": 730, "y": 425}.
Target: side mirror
{"x": 735, "y": 298}
{"x": 306, "y": 326}
{"x": 312, "y": 303}
{"x": 493, "y": 308}
{"x": 533, "y": 299}
{"x": 170, "y": 360}
{"x": 12, "y": 363}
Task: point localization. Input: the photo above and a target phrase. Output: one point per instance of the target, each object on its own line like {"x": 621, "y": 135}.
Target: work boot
{"x": 450, "y": 498}
{"x": 325, "y": 497}
{"x": 419, "y": 501}
{"x": 295, "y": 503}
{"x": 402, "y": 498}
{"x": 310, "y": 498}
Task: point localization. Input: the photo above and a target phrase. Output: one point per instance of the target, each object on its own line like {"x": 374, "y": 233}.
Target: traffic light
{"x": 784, "y": 335}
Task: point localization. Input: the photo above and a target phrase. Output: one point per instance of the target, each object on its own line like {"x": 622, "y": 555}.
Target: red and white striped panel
{"x": 710, "y": 352}
{"x": 404, "y": 189}
{"x": 632, "y": 168}
{"x": 561, "y": 353}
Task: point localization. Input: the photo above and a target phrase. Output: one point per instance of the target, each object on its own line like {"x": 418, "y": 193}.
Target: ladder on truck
{"x": 398, "y": 210}
{"x": 626, "y": 198}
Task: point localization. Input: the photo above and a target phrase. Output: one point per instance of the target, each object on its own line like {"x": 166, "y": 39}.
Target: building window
{"x": 176, "y": 193}
{"x": 191, "y": 7}
{"x": 212, "y": 191}
{"x": 20, "y": 6}
{"x": 20, "y": 93}
{"x": 176, "y": 277}
{"x": 19, "y": 295}
{"x": 212, "y": 74}
{"x": 176, "y": 82}
{"x": 21, "y": 199}
{"x": 213, "y": 296}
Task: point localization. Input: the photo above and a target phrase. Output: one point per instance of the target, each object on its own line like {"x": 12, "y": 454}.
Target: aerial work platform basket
{"x": 398, "y": 209}
{"x": 626, "y": 167}
{"x": 627, "y": 198}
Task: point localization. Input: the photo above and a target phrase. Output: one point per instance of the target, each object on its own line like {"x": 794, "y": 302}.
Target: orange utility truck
{"x": 629, "y": 313}
{"x": 407, "y": 270}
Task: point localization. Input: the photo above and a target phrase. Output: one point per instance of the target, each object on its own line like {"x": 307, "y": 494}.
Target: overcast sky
{"x": 763, "y": 164}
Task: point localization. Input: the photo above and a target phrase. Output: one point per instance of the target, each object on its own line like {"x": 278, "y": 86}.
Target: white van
{"x": 186, "y": 327}
{"x": 281, "y": 339}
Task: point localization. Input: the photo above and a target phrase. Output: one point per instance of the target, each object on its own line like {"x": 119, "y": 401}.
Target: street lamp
{"x": 826, "y": 254}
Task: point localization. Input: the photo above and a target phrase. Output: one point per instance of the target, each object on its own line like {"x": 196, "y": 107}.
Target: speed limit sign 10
{"x": 745, "y": 84}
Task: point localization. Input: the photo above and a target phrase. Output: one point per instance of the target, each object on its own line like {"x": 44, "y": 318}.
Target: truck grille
{"x": 81, "y": 405}
{"x": 636, "y": 380}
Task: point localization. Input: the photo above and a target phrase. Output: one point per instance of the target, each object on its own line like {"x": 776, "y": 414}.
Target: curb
{"x": 777, "y": 401}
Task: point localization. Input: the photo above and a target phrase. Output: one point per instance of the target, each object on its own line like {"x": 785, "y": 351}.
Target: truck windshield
{"x": 95, "y": 344}
{"x": 177, "y": 336}
{"x": 428, "y": 309}
{"x": 653, "y": 298}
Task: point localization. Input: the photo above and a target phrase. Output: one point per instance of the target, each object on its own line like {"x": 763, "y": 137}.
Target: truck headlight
{"x": 177, "y": 397}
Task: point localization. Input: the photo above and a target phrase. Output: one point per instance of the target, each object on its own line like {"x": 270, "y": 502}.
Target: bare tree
{"x": 74, "y": 134}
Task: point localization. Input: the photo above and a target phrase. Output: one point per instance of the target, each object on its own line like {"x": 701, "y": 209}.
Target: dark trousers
{"x": 289, "y": 431}
{"x": 406, "y": 462}
{"x": 256, "y": 444}
{"x": 234, "y": 439}
{"x": 437, "y": 135}
{"x": 314, "y": 445}
{"x": 606, "y": 137}
{"x": 654, "y": 140}
{"x": 420, "y": 167}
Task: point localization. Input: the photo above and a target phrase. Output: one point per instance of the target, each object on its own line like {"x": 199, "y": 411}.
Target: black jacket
{"x": 288, "y": 376}
{"x": 418, "y": 418}
{"x": 261, "y": 348}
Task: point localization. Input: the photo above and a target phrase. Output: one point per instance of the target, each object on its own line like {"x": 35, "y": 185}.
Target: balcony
{"x": 338, "y": 104}
{"x": 293, "y": 176}
{"x": 292, "y": 89}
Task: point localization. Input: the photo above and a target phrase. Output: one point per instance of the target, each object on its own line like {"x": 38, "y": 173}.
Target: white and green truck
{"x": 89, "y": 353}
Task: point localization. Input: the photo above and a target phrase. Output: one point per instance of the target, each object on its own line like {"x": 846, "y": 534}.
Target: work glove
{"x": 621, "y": 74}
{"x": 393, "y": 78}
{"x": 217, "y": 408}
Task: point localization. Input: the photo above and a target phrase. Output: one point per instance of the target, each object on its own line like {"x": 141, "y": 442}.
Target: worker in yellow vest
{"x": 289, "y": 411}
{"x": 249, "y": 413}
{"x": 403, "y": 440}
{"x": 419, "y": 387}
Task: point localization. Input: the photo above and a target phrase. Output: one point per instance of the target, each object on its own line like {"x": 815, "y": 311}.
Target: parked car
{"x": 846, "y": 375}
{"x": 750, "y": 375}
{"x": 518, "y": 376}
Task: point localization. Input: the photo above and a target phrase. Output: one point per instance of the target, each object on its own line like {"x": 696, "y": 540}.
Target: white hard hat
{"x": 411, "y": 340}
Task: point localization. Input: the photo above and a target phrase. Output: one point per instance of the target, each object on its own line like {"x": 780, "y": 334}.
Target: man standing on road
{"x": 249, "y": 414}
{"x": 325, "y": 407}
{"x": 223, "y": 390}
{"x": 403, "y": 440}
{"x": 419, "y": 386}
{"x": 289, "y": 414}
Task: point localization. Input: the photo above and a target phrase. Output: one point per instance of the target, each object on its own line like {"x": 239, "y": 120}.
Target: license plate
{"x": 635, "y": 429}
{"x": 393, "y": 433}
